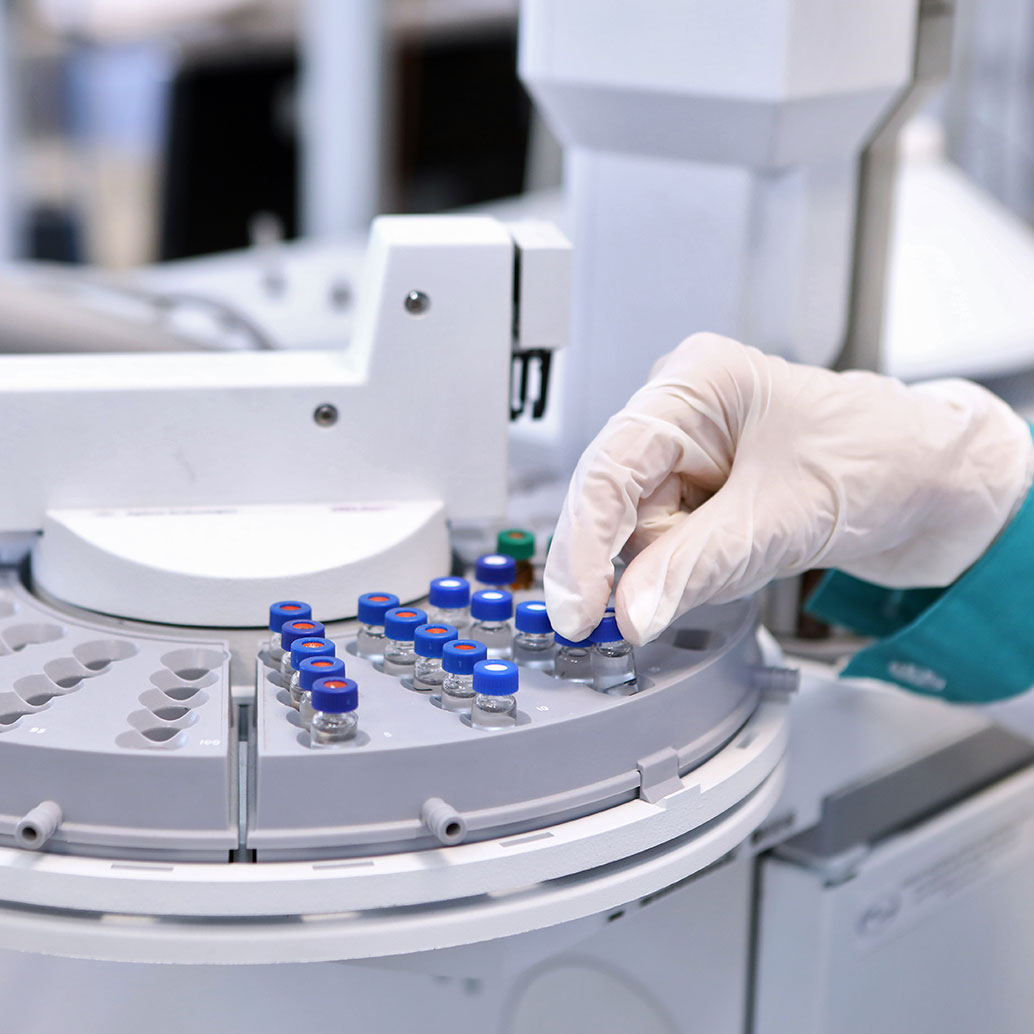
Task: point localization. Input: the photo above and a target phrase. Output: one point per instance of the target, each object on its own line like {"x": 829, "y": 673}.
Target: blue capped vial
{"x": 458, "y": 660}
{"x": 533, "y": 644}
{"x": 289, "y": 632}
{"x": 373, "y": 606}
{"x": 573, "y": 660}
{"x": 335, "y": 718}
{"x": 306, "y": 646}
{"x": 428, "y": 641}
{"x": 495, "y": 571}
{"x": 285, "y": 610}
{"x": 400, "y": 625}
{"x": 495, "y": 702}
{"x": 310, "y": 671}
{"x": 613, "y": 661}
{"x": 448, "y": 602}
{"x": 491, "y": 611}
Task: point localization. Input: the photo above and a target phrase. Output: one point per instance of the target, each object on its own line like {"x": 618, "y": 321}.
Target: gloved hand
{"x": 730, "y": 468}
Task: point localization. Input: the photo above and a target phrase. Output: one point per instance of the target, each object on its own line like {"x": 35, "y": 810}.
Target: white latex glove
{"x": 730, "y": 468}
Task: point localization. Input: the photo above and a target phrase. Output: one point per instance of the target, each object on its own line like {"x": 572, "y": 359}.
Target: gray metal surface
{"x": 573, "y": 751}
{"x": 131, "y": 731}
{"x": 129, "y": 735}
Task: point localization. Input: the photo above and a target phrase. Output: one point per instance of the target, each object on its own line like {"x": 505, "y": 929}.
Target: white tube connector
{"x": 775, "y": 679}
{"x": 443, "y": 820}
{"x": 38, "y": 826}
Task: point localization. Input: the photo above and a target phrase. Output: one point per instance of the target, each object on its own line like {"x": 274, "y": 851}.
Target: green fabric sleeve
{"x": 972, "y": 642}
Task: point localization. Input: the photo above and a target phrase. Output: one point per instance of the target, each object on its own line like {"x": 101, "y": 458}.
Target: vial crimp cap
{"x": 496, "y": 678}
{"x": 449, "y": 593}
{"x": 374, "y": 605}
{"x": 287, "y": 610}
{"x": 292, "y": 630}
{"x": 429, "y": 639}
{"x": 460, "y": 655}
{"x": 312, "y": 669}
{"x": 495, "y": 569}
{"x": 491, "y": 605}
{"x": 516, "y": 542}
{"x": 335, "y": 695}
{"x": 310, "y": 646}
{"x": 607, "y": 630}
{"x": 400, "y": 623}
{"x": 532, "y": 617}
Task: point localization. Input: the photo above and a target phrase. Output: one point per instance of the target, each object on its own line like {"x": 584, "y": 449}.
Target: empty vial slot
{"x": 7, "y": 720}
{"x": 697, "y": 639}
{"x": 102, "y": 653}
{"x": 155, "y": 700}
{"x": 19, "y": 636}
{"x": 67, "y": 673}
{"x": 193, "y": 663}
{"x": 170, "y": 713}
{"x": 160, "y": 735}
{"x": 173, "y": 686}
{"x": 31, "y": 692}
{"x": 182, "y": 692}
{"x": 153, "y": 738}
{"x": 173, "y": 717}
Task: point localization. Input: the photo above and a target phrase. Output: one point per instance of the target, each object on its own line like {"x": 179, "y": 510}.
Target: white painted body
{"x": 712, "y": 153}
{"x": 190, "y": 488}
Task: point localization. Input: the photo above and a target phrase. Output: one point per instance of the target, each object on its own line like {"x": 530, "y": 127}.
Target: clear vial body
{"x": 286, "y": 668}
{"x": 573, "y": 663}
{"x": 613, "y": 668}
{"x": 274, "y": 650}
{"x": 457, "y": 692}
{"x": 428, "y": 673}
{"x": 296, "y": 691}
{"x": 534, "y": 649}
{"x": 305, "y": 708}
{"x": 458, "y": 617}
{"x": 493, "y": 712}
{"x": 399, "y": 656}
{"x": 328, "y": 728}
{"x": 369, "y": 643}
{"x": 497, "y": 637}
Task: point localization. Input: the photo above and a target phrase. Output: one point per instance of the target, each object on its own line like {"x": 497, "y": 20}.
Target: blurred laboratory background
{"x": 140, "y": 137}
{"x": 149, "y": 132}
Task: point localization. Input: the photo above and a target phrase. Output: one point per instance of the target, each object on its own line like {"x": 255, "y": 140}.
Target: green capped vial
{"x": 519, "y": 544}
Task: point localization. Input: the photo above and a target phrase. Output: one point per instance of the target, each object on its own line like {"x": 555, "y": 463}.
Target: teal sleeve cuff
{"x": 865, "y": 608}
{"x": 972, "y": 642}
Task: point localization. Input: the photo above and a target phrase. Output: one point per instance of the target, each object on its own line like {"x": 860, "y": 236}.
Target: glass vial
{"x": 448, "y": 602}
{"x": 369, "y": 643}
{"x": 491, "y": 610}
{"x": 335, "y": 718}
{"x": 533, "y": 644}
{"x": 300, "y": 649}
{"x": 285, "y": 610}
{"x": 495, "y": 701}
{"x": 400, "y": 625}
{"x": 458, "y": 660}
{"x": 310, "y": 671}
{"x": 573, "y": 660}
{"x": 428, "y": 641}
{"x": 519, "y": 544}
{"x": 613, "y": 661}
{"x": 495, "y": 571}
{"x": 291, "y": 631}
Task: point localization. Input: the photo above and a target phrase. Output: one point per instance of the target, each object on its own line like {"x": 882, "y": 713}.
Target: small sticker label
{"x": 960, "y": 870}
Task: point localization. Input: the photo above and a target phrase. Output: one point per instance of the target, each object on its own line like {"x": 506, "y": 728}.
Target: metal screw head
{"x": 325, "y": 415}
{"x": 417, "y": 303}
